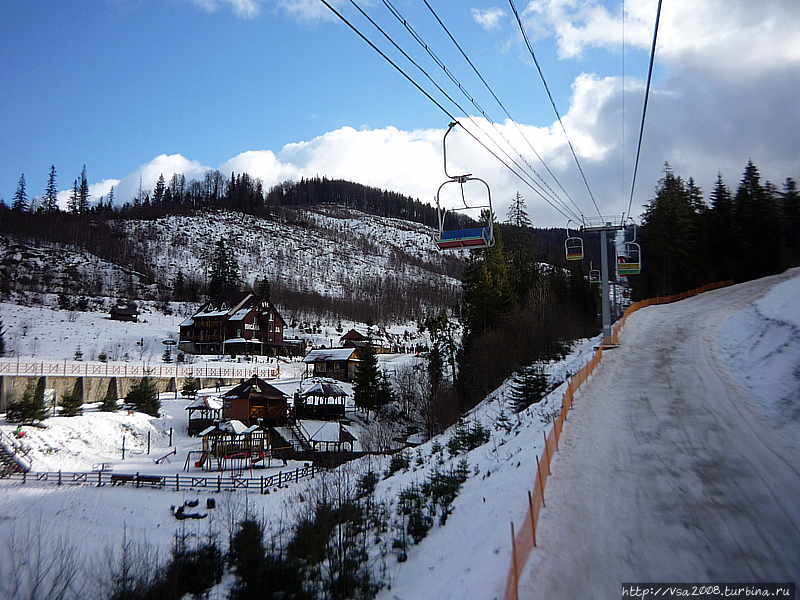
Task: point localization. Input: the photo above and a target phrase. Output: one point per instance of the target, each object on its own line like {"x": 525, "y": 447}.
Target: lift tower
{"x": 604, "y": 225}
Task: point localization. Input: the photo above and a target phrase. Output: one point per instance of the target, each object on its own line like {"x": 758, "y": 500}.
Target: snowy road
{"x": 668, "y": 469}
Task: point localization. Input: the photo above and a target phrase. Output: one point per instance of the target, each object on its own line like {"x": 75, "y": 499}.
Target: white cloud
{"x": 719, "y": 34}
{"x": 101, "y": 188}
{"x": 310, "y": 10}
{"x": 489, "y": 19}
{"x": 246, "y": 9}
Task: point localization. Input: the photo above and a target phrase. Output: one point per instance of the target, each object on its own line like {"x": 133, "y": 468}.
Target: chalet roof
{"x": 255, "y": 385}
{"x": 233, "y": 426}
{"x": 325, "y": 390}
{"x": 325, "y": 355}
{"x": 235, "y": 308}
{"x": 187, "y": 323}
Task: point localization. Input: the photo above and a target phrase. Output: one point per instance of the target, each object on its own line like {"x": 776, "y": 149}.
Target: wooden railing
{"x": 175, "y": 482}
{"x": 67, "y": 368}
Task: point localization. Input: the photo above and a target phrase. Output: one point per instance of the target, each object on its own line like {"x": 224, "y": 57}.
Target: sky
{"x": 282, "y": 89}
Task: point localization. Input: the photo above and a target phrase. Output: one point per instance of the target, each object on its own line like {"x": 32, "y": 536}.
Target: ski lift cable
{"x": 644, "y": 107}
{"x": 504, "y": 109}
{"x": 553, "y": 196}
{"x": 433, "y": 100}
{"x": 552, "y": 102}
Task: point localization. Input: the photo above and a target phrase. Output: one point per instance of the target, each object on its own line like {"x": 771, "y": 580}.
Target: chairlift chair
{"x": 631, "y": 262}
{"x": 594, "y": 274}
{"x": 573, "y": 246}
{"x": 470, "y": 237}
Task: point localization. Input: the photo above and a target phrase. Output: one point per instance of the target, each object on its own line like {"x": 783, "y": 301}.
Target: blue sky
{"x": 116, "y": 83}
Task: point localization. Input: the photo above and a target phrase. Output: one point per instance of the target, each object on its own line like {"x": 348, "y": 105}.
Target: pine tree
{"x": 528, "y": 387}
{"x": 111, "y": 399}
{"x": 190, "y": 387}
{"x": 2, "y": 338}
{"x": 110, "y": 198}
{"x": 166, "y": 356}
{"x": 72, "y": 203}
{"x": 517, "y": 212}
{"x": 83, "y": 193}
{"x": 20, "y": 203}
{"x": 791, "y": 214}
{"x": 159, "y": 191}
{"x": 365, "y": 382}
{"x": 21, "y": 410}
{"x": 385, "y": 393}
{"x": 50, "y": 203}
{"x": 224, "y": 278}
{"x": 179, "y": 287}
{"x": 71, "y": 405}
{"x": 144, "y": 397}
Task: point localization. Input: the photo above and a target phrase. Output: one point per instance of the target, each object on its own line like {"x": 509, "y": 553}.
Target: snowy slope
{"x": 762, "y": 346}
{"x": 670, "y": 469}
{"x": 332, "y": 255}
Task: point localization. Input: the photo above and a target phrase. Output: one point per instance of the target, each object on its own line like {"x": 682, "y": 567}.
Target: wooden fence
{"x": 175, "y": 482}
{"x": 71, "y": 368}
{"x": 523, "y": 540}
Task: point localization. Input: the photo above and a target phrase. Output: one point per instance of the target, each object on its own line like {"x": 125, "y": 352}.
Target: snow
{"x": 668, "y": 470}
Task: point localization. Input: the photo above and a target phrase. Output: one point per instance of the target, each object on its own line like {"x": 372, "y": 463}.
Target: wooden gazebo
{"x": 204, "y": 412}
{"x": 255, "y": 402}
{"x": 323, "y": 400}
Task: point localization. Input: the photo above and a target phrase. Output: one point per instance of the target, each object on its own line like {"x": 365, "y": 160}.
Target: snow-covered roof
{"x": 325, "y": 355}
{"x": 322, "y": 431}
{"x": 240, "y": 340}
{"x": 213, "y": 313}
{"x": 206, "y": 402}
{"x": 324, "y": 389}
{"x": 240, "y": 314}
{"x": 187, "y": 323}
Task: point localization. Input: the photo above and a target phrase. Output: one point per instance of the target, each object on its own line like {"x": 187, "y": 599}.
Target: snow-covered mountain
{"x": 326, "y": 255}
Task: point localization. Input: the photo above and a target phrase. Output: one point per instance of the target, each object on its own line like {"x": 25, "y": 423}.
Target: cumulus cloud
{"x": 246, "y": 9}
{"x": 727, "y": 36}
{"x": 100, "y": 188}
{"x": 489, "y": 18}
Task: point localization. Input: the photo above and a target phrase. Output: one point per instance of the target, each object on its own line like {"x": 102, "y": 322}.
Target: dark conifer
{"x": 365, "y": 382}
{"x": 517, "y": 212}
{"x": 20, "y": 203}
{"x": 111, "y": 399}
{"x": 83, "y": 193}
{"x": 73, "y": 202}
{"x": 528, "y": 387}
{"x": 50, "y": 202}
{"x": 144, "y": 397}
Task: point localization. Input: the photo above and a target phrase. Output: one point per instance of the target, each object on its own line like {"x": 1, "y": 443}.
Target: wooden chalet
{"x": 323, "y": 401}
{"x": 255, "y": 402}
{"x": 381, "y": 340}
{"x": 338, "y": 363}
{"x": 245, "y": 324}
{"x": 124, "y": 311}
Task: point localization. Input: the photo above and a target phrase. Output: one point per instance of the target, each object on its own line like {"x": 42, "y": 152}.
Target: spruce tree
{"x": 111, "y": 399}
{"x": 72, "y": 203}
{"x": 83, "y": 193}
{"x": 190, "y": 387}
{"x": 365, "y": 382}
{"x": 385, "y": 394}
{"x": 144, "y": 397}
{"x": 179, "y": 287}
{"x": 517, "y": 212}
{"x": 791, "y": 216}
{"x": 224, "y": 277}
{"x": 21, "y": 410}
{"x": 71, "y": 405}
{"x": 528, "y": 387}
{"x": 159, "y": 191}
{"x": 166, "y": 356}
{"x": 20, "y": 203}
{"x": 50, "y": 202}
{"x": 38, "y": 408}
{"x": 2, "y": 338}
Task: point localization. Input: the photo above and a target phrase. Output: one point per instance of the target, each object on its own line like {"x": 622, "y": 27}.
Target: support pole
{"x": 604, "y": 280}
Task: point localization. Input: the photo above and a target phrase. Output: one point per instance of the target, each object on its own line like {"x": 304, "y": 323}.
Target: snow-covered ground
{"x": 670, "y": 468}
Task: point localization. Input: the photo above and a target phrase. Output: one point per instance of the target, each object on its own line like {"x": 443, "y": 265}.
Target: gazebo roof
{"x": 255, "y": 385}
{"x": 208, "y": 402}
{"x": 324, "y": 390}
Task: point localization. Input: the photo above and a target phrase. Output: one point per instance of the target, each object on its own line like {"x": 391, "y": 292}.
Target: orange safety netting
{"x": 524, "y": 539}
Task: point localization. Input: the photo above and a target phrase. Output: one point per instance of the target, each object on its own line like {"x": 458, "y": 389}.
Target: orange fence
{"x": 523, "y": 540}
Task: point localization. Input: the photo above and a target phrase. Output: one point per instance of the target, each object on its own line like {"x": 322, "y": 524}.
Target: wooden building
{"x": 204, "y": 412}
{"x": 124, "y": 311}
{"x": 382, "y": 341}
{"x": 339, "y": 363}
{"x": 323, "y": 400}
{"x": 246, "y": 324}
{"x": 255, "y": 402}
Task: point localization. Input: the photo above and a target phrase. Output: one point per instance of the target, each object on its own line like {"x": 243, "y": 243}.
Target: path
{"x": 667, "y": 470}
